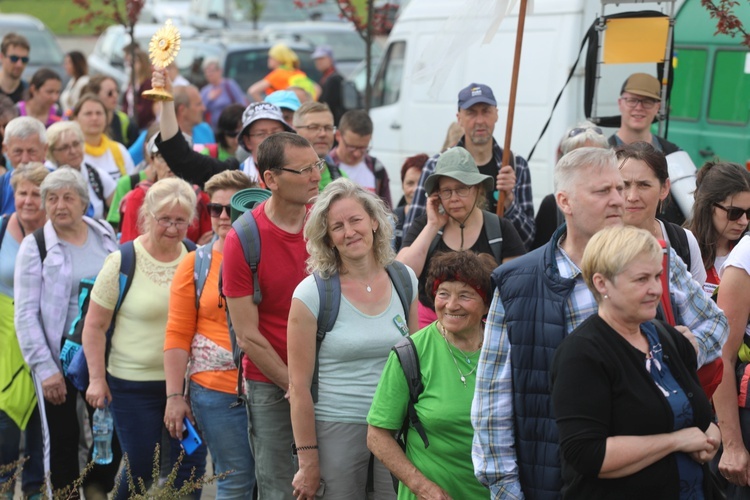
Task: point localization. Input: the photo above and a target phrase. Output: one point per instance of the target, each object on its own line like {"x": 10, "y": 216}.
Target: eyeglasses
{"x": 215, "y": 209}
{"x": 318, "y": 166}
{"x": 354, "y": 149}
{"x": 579, "y": 131}
{"x": 72, "y": 146}
{"x": 231, "y": 133}
{"x": 446, "y": 194}
{"x": 263, "y": 135}
{"x": 167, "y": 222}
{"x": 14, "y": 59}
{"x": 632, "y": 102}
{"x": 734, "y": 213}
{"x": 315, "y": 128}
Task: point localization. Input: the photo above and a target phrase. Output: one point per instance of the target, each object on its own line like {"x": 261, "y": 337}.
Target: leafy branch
{"x": 727, "y": 23}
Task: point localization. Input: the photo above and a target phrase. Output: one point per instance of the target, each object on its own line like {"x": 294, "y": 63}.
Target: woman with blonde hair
{"x": 130, "y": 376}
{"x": 631, "y": 414}
{"x": 348, "y": 237}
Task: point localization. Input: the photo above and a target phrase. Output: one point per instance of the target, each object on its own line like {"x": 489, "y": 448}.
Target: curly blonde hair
{"x": 324, "y": 258}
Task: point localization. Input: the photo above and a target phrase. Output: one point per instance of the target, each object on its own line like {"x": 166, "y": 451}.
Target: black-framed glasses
{"x": 580, "y": 130}
{"x": 462, "y": 192}
{"x": 632, "y": 102}
{"x": 318, "y": 166}
{"x": 734, "y": 213}
{"x": 14, "y": 59}
{"x": 215, "y": 209}
{"x": 315, "y": 128}
{"x": 231, "y": 133}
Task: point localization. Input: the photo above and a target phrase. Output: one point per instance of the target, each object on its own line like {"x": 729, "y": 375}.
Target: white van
{"x": 408, "y": 119}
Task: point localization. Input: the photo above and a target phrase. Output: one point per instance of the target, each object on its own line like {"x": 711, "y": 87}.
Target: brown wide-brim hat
{"x": 458, "y": 164}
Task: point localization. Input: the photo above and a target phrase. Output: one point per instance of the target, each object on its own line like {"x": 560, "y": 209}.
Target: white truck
{"x": 412, "y": 116}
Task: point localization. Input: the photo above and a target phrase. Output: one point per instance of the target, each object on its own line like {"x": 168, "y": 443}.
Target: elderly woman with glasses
{"x": 132, "y": 377}
{"x": 197, "y": 331}
{"x": 66, "y": 148}
{"x": 456, "y": 220}
{"x": 50, "y": 264}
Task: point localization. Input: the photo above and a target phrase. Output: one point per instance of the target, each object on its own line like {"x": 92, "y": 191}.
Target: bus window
{"x": 730, "y": 88}
{"x": 387, "y": 86}
{"x": 689, "y": 78}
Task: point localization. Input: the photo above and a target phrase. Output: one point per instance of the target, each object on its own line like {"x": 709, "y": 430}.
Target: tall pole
{"x": 512, "y": 99}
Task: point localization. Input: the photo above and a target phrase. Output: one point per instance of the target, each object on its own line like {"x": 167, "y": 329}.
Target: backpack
{"x": 678, "y": 240}
{"x": 329, "y": 291}
{"x": 491, "y": 229}
{"x": 95, "y": 180}
{"x": 406, "y": 352}
{"x": 72, "y": 357}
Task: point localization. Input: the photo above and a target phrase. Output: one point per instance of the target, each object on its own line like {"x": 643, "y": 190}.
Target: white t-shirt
{"x": 250, "y": 170}
{"x": 738, "y": 257}
{"x": 106, "y": 162}
{"x": 353, "y": 354}
{"x": 360, "y": 174}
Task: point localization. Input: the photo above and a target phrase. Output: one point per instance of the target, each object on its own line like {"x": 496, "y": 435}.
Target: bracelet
{"x": 303, "y": 448}
{"x": 174, "y": 394}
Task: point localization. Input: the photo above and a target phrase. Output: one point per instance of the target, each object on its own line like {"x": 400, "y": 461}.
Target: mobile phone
{"x": 190, "y": 439}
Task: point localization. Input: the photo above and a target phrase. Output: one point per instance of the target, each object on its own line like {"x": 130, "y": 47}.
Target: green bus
{"x": 710, "y": 102}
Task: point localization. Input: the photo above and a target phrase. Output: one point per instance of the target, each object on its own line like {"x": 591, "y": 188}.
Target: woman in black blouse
{"x": 632, "y": 418}
{"x": 455, "y": 221}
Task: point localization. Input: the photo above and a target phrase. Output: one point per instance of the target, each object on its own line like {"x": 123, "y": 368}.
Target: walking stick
{"x": 512, "y": 100}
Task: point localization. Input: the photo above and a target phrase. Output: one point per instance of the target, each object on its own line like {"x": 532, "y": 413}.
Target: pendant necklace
{"x": 453, "y": 356}
{"x": 367, "y": 285}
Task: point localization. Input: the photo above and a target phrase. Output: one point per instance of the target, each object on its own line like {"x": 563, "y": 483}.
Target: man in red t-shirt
{"x": 288, "y": 165}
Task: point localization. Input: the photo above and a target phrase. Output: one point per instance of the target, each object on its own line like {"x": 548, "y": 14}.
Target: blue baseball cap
{"x": 323, "y": 51}
{"x": 475, "y": 93}
{"x": 284, "y": 99}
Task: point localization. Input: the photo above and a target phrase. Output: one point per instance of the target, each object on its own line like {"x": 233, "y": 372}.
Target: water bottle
{"x": 102, "y": 430}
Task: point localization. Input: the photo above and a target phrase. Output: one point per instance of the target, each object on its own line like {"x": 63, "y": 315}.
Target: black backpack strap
{"x": 247, "y": 231}
{"x": 435, "y": 241}
{"x": 41, "y": 243}
{"x": 329, "y": 291}
{"x": 406, "y": 352}
{"x": 96, "y": 182}
{"x": 494, "y": 235}
{"x": 3, "y": 226}
{"x": 401, "y": 280}
{"x": 678, "y": 240}
{"x": 134, "y": 180}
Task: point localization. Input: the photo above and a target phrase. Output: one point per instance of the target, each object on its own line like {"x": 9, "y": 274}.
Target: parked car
{"x": 218, "y": 14}
{"x": 45, "y": 51}
{"x": 107, "y": 57}
{"x": 348, "y": 46}
{"x": 158, "y": 11}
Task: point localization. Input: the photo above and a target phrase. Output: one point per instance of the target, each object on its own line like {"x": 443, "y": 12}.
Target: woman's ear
{"x": 664, "y": 191}
{"x": 600, "y": 283}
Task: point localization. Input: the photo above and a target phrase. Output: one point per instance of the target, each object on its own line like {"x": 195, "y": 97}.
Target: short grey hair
{"x": 65, "y": 178}
{"x": 324, "y": 258}
{"x": 24, "y": 127}
{"x": 570, "y": 166}
{"x": 587, "y": 136}
{"x": 211, "y": 61}
{"x": 57, "y": 130}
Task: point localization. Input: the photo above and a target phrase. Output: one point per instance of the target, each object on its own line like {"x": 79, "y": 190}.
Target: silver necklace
{"x": 453, "y": 356}
{"x": 367, "y": 285}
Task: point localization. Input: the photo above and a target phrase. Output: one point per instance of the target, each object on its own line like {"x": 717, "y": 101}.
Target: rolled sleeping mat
{"x": 247, "y": 199}
{"x": 682, "y": 173}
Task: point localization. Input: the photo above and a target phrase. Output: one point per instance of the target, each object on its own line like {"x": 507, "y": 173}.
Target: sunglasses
{"x": 579, "y": 131}
{"x": 14, "y": 59}
{"x": 734, "y": 213}
{"x": 231, "y": 133}
{"x": 215, "y": 209}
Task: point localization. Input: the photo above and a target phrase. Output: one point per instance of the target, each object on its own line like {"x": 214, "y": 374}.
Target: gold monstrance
{"x": 163, "y": 48}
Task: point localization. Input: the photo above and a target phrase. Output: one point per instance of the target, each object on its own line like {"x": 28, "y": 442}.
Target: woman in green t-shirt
{"x": 448, "y": 351}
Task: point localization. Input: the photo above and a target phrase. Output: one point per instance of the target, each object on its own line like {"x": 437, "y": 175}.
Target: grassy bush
{"x": 56, "y": 14}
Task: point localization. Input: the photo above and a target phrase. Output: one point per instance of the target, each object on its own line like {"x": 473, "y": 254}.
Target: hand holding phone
{"x": 190, "y": 439}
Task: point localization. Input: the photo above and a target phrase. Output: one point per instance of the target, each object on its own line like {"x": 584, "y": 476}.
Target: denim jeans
{"x": 224, "y": 430}
{"x": 270, "y": 428}
{"x": 138, "y": 411}
{"x": 32, "y": 474}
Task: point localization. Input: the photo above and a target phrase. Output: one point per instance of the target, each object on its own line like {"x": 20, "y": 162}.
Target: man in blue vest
{"x": 540, "y": 298}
